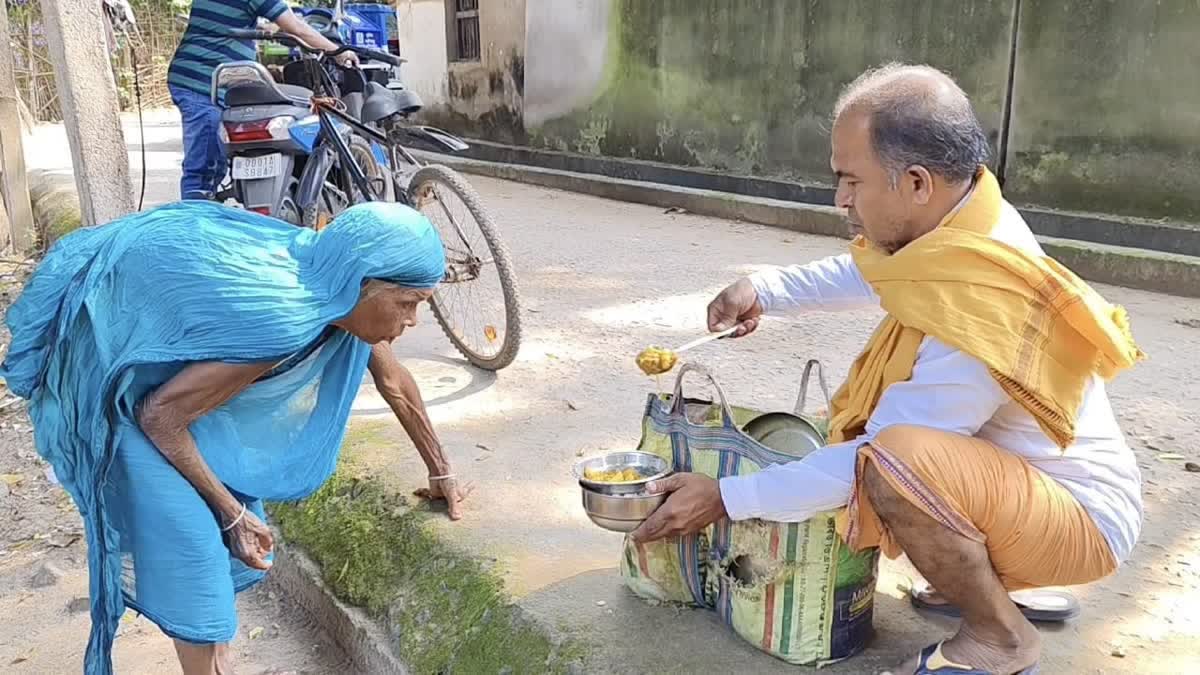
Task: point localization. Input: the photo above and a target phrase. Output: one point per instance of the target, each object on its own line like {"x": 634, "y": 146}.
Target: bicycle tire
{"x": 309, "y": 218}
{"x": 508, "y": 284}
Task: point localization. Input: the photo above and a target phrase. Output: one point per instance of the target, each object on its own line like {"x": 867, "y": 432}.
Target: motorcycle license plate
{"x": 263, "y": 166}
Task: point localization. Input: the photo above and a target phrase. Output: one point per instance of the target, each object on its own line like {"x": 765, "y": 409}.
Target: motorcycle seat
{"x": 261, "y": 93}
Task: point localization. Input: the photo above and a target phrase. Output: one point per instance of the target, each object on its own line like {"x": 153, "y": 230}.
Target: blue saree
{"x": 113, "y": 312}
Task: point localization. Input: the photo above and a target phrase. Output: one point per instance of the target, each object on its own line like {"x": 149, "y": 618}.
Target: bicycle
{"x": 359, "y": 155}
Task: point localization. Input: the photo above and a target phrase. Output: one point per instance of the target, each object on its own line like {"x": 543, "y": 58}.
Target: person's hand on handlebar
{"x": 293, "y": 25}
{"x": 346, "y": 59}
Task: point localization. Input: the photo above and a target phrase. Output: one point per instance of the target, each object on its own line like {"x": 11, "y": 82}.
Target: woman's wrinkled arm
{"x": 166, "y": 414}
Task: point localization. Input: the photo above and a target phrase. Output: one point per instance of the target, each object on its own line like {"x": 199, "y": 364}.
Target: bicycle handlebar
{"x": 284, "y": 38}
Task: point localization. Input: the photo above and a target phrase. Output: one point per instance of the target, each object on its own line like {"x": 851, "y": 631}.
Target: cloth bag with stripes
{"x": 794, "y": 590}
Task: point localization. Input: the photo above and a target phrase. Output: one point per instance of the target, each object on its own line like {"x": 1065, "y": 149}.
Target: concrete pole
{"x": 75, "y": 32}
{"x": 17, "y": 229}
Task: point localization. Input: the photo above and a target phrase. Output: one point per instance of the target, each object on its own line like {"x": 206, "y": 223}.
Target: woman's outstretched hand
{"x": 450, "y": 490}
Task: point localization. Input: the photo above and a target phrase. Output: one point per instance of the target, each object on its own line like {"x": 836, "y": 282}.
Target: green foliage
{"x": 448, "y": 613}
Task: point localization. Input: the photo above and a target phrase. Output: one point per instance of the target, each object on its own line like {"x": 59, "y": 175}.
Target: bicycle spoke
{"x": 473, "y": 308}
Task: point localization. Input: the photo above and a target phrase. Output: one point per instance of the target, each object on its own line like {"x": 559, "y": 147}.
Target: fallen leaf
{"x": 1118, "y": 651}
{"x": 255, "y": 633}
{"x": 12, "y": 479}
{"x": 1190, "y": 323}
{"x": 1170, "y": 456}
{"x": 675, "y": 209}
{"x": 1192, "y": 467}
{"x": 483, "y": 447}
{"x": 571, "y": 405}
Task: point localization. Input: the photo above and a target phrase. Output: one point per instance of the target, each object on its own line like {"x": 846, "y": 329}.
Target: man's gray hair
{"x": 918, "y": 116}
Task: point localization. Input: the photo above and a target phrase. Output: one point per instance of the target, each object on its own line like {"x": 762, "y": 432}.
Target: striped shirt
{"x": 199, "y": 54}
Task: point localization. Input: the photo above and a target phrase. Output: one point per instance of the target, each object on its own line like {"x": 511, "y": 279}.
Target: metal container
{"x": 792, "y": 433}
{"x": 649, "y": 467}
{"x": 620, "y": 513}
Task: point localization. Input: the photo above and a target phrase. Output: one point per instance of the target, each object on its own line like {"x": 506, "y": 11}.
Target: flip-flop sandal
{"x": 1043, "y": 605}
{"x": 932, "y": 662}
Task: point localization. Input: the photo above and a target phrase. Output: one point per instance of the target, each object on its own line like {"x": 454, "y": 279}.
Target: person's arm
{"x": 831, "y": 284}
{"x": 397, "y": 386}
{"x": 165, "y": 416}
{"x": 288, "y": 22}
{"x": 949, "y": 390}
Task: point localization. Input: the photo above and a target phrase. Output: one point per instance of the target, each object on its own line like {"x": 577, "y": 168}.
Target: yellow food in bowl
{"x": 656, "y": 361}
{"x": 614, "y": 476}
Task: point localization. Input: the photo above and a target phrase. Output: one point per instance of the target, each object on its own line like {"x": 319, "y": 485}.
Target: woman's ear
{"x": 372, "y": 287}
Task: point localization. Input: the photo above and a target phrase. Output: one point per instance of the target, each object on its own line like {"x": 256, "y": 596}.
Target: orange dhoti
{"x": 1036, "y": 532}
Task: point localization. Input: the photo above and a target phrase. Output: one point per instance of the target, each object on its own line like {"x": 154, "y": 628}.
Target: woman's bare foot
{"x": 1013, "y": 654}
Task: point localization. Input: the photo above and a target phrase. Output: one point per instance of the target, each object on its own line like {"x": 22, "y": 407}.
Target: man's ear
{"x": 920, "y": 183}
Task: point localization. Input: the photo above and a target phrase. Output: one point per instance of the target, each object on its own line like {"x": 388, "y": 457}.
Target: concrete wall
{"x": 1103, "y": 111}
{"x": 1106, "y": 109}
{"x": 421, "y": 32}
{"x": 479, "y": 98}
{"x": 745, "y": 87}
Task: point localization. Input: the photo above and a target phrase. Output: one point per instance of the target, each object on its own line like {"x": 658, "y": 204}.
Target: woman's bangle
{"x": 235, "y": 520}
{"x": 446, "y": 477}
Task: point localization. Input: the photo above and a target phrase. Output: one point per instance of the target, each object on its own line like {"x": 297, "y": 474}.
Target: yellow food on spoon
{"x": 656, "y": 360}
{"x": 614, "y": 476}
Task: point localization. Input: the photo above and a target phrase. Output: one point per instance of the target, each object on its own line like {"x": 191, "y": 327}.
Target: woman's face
{"x": 383, "y": 312}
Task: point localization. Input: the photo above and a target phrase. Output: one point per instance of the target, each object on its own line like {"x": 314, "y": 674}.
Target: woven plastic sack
{"x": 794, "y": 590}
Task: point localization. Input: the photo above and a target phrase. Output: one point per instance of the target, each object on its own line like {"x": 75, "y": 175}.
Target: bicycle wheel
{"x": 333, "y": 199}
{"x": 477, "y": 304}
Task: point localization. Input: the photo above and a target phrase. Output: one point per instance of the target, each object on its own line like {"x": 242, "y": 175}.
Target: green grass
{"x": 447, "y": 612}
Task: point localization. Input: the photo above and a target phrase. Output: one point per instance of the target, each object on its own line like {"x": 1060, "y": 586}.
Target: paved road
{"x": 603, "y": 279}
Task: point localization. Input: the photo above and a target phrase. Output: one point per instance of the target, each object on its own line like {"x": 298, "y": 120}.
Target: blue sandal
{"x": 932, "y": 662}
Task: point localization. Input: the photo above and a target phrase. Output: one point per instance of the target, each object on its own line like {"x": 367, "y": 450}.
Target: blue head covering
{"x": 114, "y": 311}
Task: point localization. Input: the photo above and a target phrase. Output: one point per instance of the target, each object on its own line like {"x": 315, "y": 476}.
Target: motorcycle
{"x": 271, "y": 134}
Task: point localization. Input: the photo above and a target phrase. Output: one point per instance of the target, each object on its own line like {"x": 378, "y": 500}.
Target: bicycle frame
{"x": 327, "y": 111}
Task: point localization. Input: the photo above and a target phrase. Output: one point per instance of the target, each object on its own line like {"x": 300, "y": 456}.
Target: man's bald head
{"x": 918, "y": 116}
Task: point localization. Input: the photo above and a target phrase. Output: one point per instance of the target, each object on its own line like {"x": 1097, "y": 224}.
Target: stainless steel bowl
{"x": 648, "y": 466}
{"x": 620, "y": 513}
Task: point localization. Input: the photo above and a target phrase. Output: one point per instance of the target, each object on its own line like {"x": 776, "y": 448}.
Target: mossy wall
{"x": 748, "y": 86}
{"x": 1106, "y": 108}
{"x": 1103, "y": 108}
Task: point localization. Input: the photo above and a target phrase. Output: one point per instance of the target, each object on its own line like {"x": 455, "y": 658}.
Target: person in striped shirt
{"x": 189, "y": 78}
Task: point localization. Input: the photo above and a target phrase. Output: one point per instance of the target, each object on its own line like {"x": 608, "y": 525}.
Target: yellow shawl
{"x": 1040, "y": 329}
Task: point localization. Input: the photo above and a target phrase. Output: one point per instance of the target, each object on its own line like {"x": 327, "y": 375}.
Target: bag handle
{"x": 677, "y": 400}
{"x": 808, "y": 368}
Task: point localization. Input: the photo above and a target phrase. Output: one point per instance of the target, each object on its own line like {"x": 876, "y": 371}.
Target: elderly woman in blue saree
{"x": 184, "y": 364}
